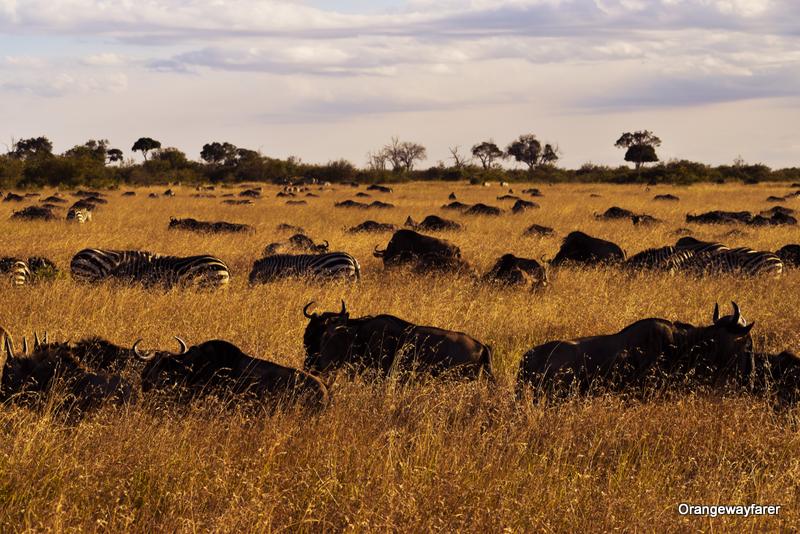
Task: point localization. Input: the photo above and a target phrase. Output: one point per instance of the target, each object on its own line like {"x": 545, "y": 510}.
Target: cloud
{"x": 59, "y": 85}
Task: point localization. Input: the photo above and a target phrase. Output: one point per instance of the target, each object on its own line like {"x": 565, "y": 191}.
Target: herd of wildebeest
{"x": 648, "y": 353}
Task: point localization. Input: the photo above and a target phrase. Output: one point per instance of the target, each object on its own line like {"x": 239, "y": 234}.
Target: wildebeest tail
{"x": 486, "y": 363}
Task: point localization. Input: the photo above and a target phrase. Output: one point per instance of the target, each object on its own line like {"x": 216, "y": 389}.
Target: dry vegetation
{"x": 391, "y": 456}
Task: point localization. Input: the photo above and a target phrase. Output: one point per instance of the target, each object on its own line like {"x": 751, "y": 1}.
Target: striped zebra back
{"x": 205, "y": 271}
{"x": 80, "y": 215}
{"x": 325, "y": 266}
{"x": 664, "y": 258}
{"x": 95, "y": 265}
{"x": 21, "y": 274}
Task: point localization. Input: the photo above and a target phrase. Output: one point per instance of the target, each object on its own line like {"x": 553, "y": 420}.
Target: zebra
{"x": 717, "y": 258}
{"x": 326, "y": 266}
{"x": 79, "y": 215}
{"x": 664, "y": 258}
{"x": 27, "y": 272}
{"x": 97, "y": 265}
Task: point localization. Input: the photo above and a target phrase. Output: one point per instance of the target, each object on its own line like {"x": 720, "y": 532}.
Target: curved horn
{"x": 327, "y": 245}
{"x": 716, "y": 312}
{"x": 378, "y": 253}
{"x": 184, "y": 348}
{"x": 305, "y": 311}
{"x": 9, "y": 347}
{"x": 143, "y": 357}
{"x": 36, "y": 341}
{"x": 24, "y": 345}
{"x": 737, "y": 315}
{"x": 44, "y": 339}
{"x": 344, "y": 308}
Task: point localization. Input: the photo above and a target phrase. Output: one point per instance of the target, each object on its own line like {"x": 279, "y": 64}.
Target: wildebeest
{"x": 30, "y": 378}
{"x": 381, "y": 188}
{"x": 372, "y": 226}
{"x": 350, "y": 204}
{"x": 408, "y": 246}
{"x": 645, "y": 350}
{"x": 83, "y": 204}
{"x": 241, "y": 202}
{"x": 512, "y": 270}
{"x": 523, "y": 205}
{"x": 789, "y": 255}
{"x": 508, "y": 197}
{"x": 87, "y": 194}
{"x": 776, "y": 374}
{"x": 286, "y": 227}
{"x": 668, "y": 197}
{"x": 13, "y": 197}
{"x": 539, "y": 230}
{"x": 208, "y": 227}
{"x": 433, "y": 223}
{"x": 720, "y": 217}
{"x": 362, "y": 194}
{"x": 387, "y": 344}
{"x": 615, "y": 212}
{"x": 579, "y": 247}
{"x": 219, "y": 367}
{"x": 129, "y": 194}
{"x": 458, "y": 206}
{"x": 483, "y": 209}
{"x": 451, "y": 196}
{"x": 54, "y": 200}
{"x": 297, "y": 242}
{"x": 34, "y": 213}
{"x": 534, "y": 192}
{"x": 252, "y": 193}
{"x": 296, "y": 203}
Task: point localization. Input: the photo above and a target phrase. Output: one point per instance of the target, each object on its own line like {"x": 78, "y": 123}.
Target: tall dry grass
{"x": 410, "y": 457}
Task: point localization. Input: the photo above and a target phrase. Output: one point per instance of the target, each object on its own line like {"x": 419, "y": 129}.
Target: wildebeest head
{"x": 320, "y": 326}
{"x": 730, "y": 339}
{"x": 163, "y": 369}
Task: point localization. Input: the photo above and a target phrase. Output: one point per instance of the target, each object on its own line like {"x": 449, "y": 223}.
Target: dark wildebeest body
{"x": 297, "y": 242}
{"x": 350, "y": 204}
{"x": 483, "y": 209}
{"x": 34, "y": 213}
{"x": 534, "y": 192}
{"x": 511, "y": 270}
{"x": 458, "y": 206}
{"x": 13, "y": 197}
{"x": 539, "y": 230}
{"x": 790, "y": 255}
{"x": 668, "y": 197}
{"x": 252, "y": 193}
{"x": 408, "y": 246}
{"x": 372, "y": 226}
{"x": 578, "y": 247}
{"x": 219, "y": 367}
{"x": 54, "y": 200}
{"x": 385, "y": 344}
{"x": 720, "y": 217}
{"x": 776, "y": 374}
{"x": 433, "y": 223}
{"x": 615, "y": 212}
{"x": 381, "y": 188}
{"x": 31, "y": 378}
{"x": 523, "y": 205}
{"x": 208, "y": 227}
{"x": 643, "y": 351}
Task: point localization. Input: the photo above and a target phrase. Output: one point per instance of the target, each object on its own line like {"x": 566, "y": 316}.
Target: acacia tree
{"x": 402, "y": 155}
{"x": 219, "y": 152}
{"x": 114, "y": 154}
{"x": 550, "y": 154}
{"x": 640, "y": 145}
{"x": 487, "y": 152}
{"x": 145, "y": 145}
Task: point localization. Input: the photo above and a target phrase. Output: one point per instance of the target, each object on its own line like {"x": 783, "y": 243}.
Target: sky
{"x": 323, "y": 80}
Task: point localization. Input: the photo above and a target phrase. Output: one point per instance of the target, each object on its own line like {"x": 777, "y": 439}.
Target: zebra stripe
{"x": 664, "y": 258}
{"x": 95, "y": 265}
{"x": 329, "y": 265}
{"x": 79, "y": 215}
{"x": 717, "y": 258}
{"x": 21, "y": 274}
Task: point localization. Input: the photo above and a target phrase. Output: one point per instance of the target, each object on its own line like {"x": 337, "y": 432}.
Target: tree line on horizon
{"x": 31, "y": 163}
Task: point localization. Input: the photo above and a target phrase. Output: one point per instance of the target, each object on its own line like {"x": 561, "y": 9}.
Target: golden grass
{"x": 415, "y": 457}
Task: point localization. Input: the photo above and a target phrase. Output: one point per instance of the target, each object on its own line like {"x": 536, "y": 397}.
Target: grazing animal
{"x": 483, "y": 209}
{"x": 133, "y": 266}
{"x": 362, "y": 194}
{"x": 408, "y": 246}
{"x": 330, "y": 265}
{"x": 668, "y": 197}
{"x": 34, "y": 213}
{"x": 534, "y": 192}
{"x": 789, "y": 255}
{"x": 208, "y": 227}
{"x": 242, "y": 202}
{"x": 458, "y": 206}
{"x": 351, "y": 204}
{"x": 30, "y": 271}
{"x": 54, "y": 200}
{"x": 720, "y": 217}
{"x": 372, "y": 226}
{"x": 433, "y": 223}
{"x": 219, "y": 367}
{"x": 539, "y": 230}
{"x": 579, "y": 247}
{"x": 645, "y": 350}
{"x": 297, "y": 242}
{"x": 83, "y": 204}
{"x": 669, "y": 259}
{"x": 776, "y": 374}
{"x": 523, "y": 205}
{"x": 615, "y": 212}
{"x": 13, "y": 197}
{"x": 129, "y": 194}
{"x": 81, "y": 215}
{"x": 717, "y": 258}
{"x": 386, "y": 344}
{"x": 252, "y": 193}
{"x": 451, "y": 196}
{"x": 285, "y": 227}
{"x": 508, "y": 197}
{"x": 513, "y": 271}
{"x": 29, "y": 379}
{"x": 296, "y": 203}
{"x": 379, "y": 188}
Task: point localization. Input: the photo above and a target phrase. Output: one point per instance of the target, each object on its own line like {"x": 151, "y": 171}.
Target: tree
{"x": 402, "y": 155}
{"x": 91, "y": 149}
{"x": 376, "y": 161}
{"x": 641, "y": 147}
{"x": 114, "y": 154}
{"x": 171, "y": 155}
{"x": 550, "y": 154}
{"x": 526, "y": 149}
{"x": 219, "y": 152}
{"x": 35, "y": 146}
{"x": 487, "y": 152}
{"x": 459, "y": 161}
{"x": 145, "y": 145}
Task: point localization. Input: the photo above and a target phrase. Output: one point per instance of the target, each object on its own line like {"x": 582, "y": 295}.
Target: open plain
{"x": 402, "y": 456}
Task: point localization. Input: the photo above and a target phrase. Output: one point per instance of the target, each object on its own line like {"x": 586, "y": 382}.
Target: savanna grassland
{"x": 398, "y": 456}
